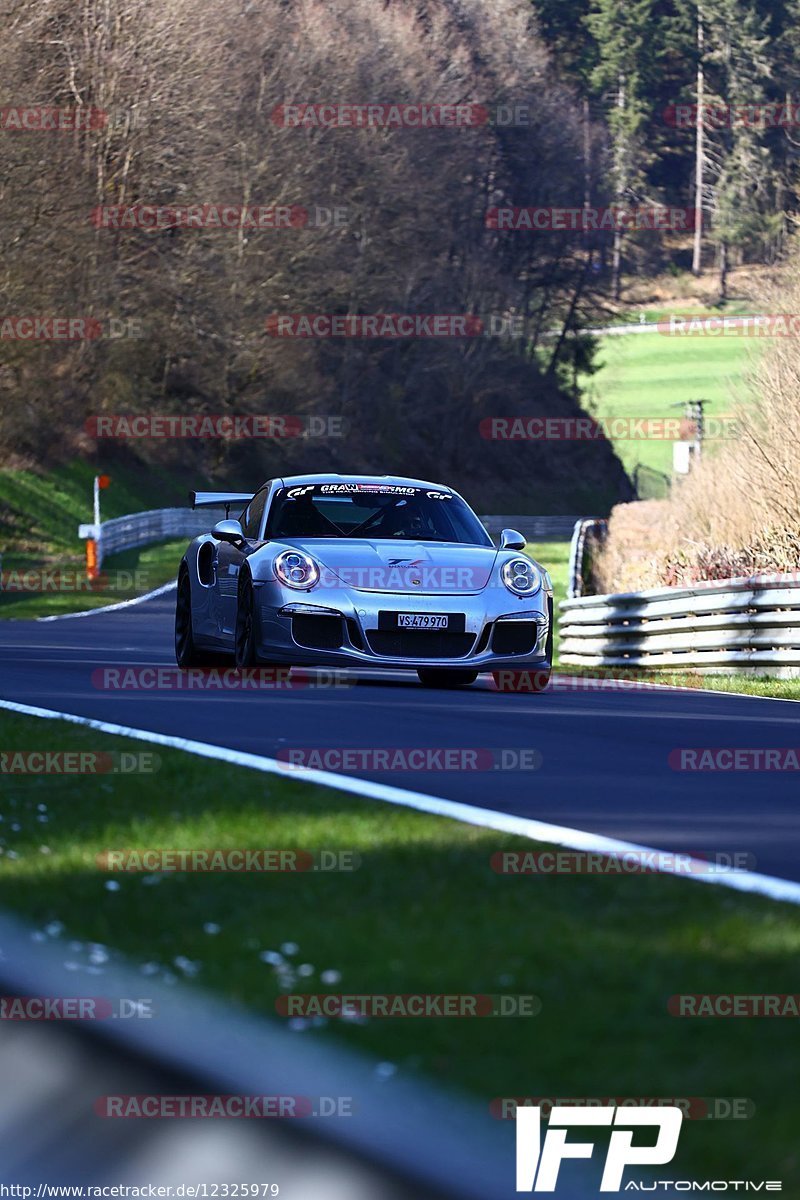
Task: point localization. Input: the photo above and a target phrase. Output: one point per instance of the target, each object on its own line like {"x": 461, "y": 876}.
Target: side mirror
{"x": 228, "y": 531}
{"x": 511, "y": 540}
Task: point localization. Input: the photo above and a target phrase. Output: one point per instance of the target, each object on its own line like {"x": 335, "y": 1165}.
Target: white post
{"x": 97, "y": 500}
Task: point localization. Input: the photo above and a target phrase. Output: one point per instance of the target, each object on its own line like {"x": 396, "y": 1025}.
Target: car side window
{"x": 251, "y": 522}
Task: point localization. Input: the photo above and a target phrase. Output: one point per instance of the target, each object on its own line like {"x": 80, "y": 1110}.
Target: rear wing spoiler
{"x": 220, "y": 499}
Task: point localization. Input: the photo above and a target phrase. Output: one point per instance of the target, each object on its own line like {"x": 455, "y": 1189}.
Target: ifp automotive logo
{"x": 538, "y": 1165}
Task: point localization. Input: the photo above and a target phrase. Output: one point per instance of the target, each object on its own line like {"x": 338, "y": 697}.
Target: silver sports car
{"x": 362, "y": 571}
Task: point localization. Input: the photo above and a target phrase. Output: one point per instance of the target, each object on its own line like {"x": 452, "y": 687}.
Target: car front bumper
{"x": 301, "y": 628}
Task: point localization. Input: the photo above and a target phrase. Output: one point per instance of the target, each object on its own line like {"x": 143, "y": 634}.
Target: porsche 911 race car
{"x": 362, "y": 571}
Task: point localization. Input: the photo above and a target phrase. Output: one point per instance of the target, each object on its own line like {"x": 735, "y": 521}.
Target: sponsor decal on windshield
{"x": 355, "y": 489}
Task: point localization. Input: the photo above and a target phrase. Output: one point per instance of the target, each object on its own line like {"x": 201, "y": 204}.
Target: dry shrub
{"x": 630, "y": 557}
{"x": 738, "y": 512}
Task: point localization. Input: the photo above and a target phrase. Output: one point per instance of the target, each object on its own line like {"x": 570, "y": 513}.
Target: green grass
{"x": 648, "y": 374}
{"x": 40, "y": 511}
{"x": 39, "y": 518}
{"x": 424, "y": 913}
{"x": 124, "y": 576}
{"x": 745, "y": 685}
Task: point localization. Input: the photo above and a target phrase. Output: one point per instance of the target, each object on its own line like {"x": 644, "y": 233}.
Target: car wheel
{"x": 433, "y": 677}
{"x": 187, "y": 654}
{"x": 245, "y": 638}
{"x": 522, "y": 681}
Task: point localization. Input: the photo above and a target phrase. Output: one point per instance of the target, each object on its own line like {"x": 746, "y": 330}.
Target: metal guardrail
{"x": 163, "y": 524}
{"x": 147, "y": 528}
{"x": 535, "y": 529}
{"x": 750, "y": 623}
{"x": 583, "y": 528}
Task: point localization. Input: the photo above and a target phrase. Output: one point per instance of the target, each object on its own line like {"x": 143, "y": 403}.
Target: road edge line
{"x": 104, "y": 608}
{"x": 771, "y": 886}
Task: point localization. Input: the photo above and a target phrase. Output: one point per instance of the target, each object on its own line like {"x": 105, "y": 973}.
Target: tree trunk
{"x": 616, "y": 257}
{"x": 697, "y": 252}
{"x": 723, "y": 271}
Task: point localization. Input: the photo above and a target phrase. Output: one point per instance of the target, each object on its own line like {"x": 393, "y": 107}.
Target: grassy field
{"x": 423, "y": 913}
{"x": 39, "y": 518}
{"x": 40, "y": 512}
{"x": 652, "y": 375}
{"x": 124, "y": 576}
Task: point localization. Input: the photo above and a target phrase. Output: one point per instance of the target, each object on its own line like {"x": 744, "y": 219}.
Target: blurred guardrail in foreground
{"x": 751, "y": 623}
{"x": 404, "y": 1138}
{"x": 166, "y": 524}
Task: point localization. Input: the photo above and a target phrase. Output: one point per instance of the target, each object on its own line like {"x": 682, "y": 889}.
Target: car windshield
{"x": 361, "y": 510}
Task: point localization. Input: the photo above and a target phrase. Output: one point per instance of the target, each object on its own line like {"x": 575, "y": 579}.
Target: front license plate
{"x": 422, "y": 621}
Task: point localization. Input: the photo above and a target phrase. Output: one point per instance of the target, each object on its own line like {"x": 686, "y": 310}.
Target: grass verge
{"x": 42, "y": 557}
{"x": 34, "y": 592}
{"x": 745, "y": 685}
{"x": 423, "y": 913}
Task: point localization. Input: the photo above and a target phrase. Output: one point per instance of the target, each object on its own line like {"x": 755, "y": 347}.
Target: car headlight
{"x": 521, "y": 577}
{"x": 296, "y": 570}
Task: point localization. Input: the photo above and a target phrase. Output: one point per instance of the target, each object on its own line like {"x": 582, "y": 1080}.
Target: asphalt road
{"x": 604, "y": 754}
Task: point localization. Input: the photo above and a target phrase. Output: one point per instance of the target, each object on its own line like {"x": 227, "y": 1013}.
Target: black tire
{"x": 548, "y": 646}
{"x": 437, "y": 677}
{"x": 245, "y": 634}
{"x": 528, "y": 682}
{"x": 187, "y": 654}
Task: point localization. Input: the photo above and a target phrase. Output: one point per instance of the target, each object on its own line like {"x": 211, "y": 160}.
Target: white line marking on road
{"x": 541, "y": 831}
{"x": 92, "y": 612}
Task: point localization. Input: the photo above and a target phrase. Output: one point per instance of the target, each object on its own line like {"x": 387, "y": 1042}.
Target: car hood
{"x": 415, "y": 568}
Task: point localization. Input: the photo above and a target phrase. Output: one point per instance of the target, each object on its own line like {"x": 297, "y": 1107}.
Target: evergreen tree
{"x": 628, "y": 43}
